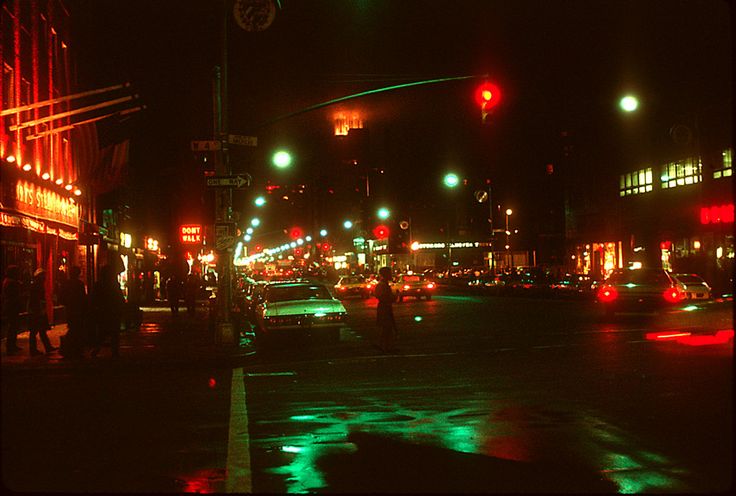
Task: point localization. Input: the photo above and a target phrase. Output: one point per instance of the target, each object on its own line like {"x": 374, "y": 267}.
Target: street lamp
{"x": 347, "y": 224}
{"x": 508, "y": 233}
{"x": 628, "y": 103}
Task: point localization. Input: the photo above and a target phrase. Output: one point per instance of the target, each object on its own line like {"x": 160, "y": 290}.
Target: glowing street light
{"x": 383, "y": 213}
{"x": 255, "y": 222}
{"x": 260, "y": 201}
{"x": 347, "y": 224}
{"x": 629, "y": 103}
{"x": 323, "y": 232}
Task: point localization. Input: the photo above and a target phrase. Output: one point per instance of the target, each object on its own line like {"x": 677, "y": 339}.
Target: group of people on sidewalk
{"x": 92, "y": 318}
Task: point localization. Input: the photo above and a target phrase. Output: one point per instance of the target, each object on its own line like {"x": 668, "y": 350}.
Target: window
{"x": 634, "y": 183}
{"x": 681, "y": 173}
{"x": 725, "y": 169}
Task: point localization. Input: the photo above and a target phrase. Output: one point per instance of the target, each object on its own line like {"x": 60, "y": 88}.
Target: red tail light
{"x": 673, "y": 295}
{"x": 607, "y": 294}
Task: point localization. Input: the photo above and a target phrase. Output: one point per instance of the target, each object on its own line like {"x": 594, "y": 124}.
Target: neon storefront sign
{"x": 717, "y": 214}
{"x": 190, "y": 234}
{"x": 46, "y": 204}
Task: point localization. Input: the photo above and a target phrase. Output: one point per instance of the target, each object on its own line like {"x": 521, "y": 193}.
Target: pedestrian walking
{"x": 74, "y": 298}
{"x": 39, "y": 320}
{"x": 173, "y": 293}
{"x": 12, "y": 306}
{"x": 108, "y": 305}
{"x": 385, "y": 312}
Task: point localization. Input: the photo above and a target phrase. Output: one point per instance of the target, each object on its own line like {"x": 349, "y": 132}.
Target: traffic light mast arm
{"x": 366, "y": 93}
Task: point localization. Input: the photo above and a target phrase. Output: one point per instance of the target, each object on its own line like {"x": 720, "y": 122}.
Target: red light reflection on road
{"x": 691, "y": 339}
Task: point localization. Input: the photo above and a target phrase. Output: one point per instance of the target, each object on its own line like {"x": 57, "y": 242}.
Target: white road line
{"x": 267, "y": 374}
{"x": 238, "y": 479}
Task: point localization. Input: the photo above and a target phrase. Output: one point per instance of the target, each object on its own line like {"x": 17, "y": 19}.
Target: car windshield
{"x": 639, "y": 276}
{"x": 413, "y": 278}
{"x": 297, "y": 292}
{"x": 686, "y": 279}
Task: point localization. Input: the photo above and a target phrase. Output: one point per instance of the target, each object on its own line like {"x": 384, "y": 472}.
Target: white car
{"x": 693, "y": 286}
{"x": 299, "y": 307}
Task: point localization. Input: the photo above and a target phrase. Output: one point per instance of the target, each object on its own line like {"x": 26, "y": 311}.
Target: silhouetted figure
{"x": 173, "y": 293}
{"x": 38, "y": 318}
{"x": 385, "y": 311}
{"x": 133, "y": 306}
{"x": 12, "y": 306}
{"x": 108, "y": 305}
{"x": 191, "y": 290}
{"x": 74, "y": 298}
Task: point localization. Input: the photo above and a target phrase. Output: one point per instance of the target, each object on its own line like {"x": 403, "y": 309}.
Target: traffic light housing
{"x": 487, "y": 95}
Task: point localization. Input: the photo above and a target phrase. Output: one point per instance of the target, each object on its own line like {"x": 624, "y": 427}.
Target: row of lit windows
{"x": 682, "y": 172}
{"x": 674, "y": 174}
{"x": 725, "y": 170}
{"x": 635, "y": 183}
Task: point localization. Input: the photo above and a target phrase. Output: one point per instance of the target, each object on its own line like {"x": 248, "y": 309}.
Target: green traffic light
{"x": 451, "y": 180}
{"x": 383, "y": 213}
{"x": 282, "y": 159}
{"x": 260, "y": 201}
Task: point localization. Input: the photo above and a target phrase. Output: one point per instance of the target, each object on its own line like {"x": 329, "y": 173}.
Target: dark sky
{"x": 562, "y": 66}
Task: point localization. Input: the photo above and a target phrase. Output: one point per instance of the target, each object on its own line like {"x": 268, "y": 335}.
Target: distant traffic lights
{"x": 296, "y": 232}
{"x": 381, "y": 232}
{"x": 488, "y": 95}
{"x": 326, "y": 247}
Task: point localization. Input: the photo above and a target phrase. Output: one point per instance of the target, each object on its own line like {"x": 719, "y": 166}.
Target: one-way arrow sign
{"x": 238, "y": 181}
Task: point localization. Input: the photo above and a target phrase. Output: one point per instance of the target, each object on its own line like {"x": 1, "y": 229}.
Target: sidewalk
{"x": 160, "y": 340}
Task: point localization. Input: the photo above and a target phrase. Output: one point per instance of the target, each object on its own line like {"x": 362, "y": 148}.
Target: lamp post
{"x": 508, "y": 233}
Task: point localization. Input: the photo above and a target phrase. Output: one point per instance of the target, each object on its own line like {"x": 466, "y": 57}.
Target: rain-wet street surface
{"x": 485, "y": 394}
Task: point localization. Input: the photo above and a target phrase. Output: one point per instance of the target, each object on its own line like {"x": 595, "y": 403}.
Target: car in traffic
{"x": 352, "y": 286}
{"x": 639, "y": 290}
{"x": 416, "y": 285}
{"x": 694, "y": 286}
{"x": 298, "y": 307}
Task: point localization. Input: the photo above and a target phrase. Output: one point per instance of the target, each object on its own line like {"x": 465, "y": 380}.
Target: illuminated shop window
{"x": 725, "y": 169}
{"x": 682, "y": 173}
{"x": 635, "y": 183}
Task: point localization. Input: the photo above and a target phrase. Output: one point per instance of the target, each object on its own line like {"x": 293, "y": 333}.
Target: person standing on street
{"x": 39, "y": 320}
{"x": 74, "y": 299}
{"x": 385, "y": 312}
{"x": 108, "y": 305}
{"x": 191, "y": 290}
{"x": 12, "y": 306}
{"x": 173, "y": 293}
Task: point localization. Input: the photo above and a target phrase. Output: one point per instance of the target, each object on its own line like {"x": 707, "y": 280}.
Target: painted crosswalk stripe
{"x": 238, "y": 445}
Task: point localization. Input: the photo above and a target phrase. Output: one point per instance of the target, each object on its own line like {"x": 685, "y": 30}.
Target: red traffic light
{"x": 381, "y": 232}
{"x": 487, "y": 95}
{"x": 326, "y": 246}
{"x": 258, "y": 248}
{"x": 296, "y": 233}
{"x": 298, "y": 252}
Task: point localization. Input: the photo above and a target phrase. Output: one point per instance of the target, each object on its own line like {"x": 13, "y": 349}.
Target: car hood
{"x": 301, "y": 307}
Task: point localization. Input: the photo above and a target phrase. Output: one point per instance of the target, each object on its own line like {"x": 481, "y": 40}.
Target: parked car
{"x": 352, "y": 286}
{"x": 413, "y": 285}
{"x": 304, "y": 308}
{"x": 572, "y": 285}
{"x": 638, "y": 290}
{"x": 694, "y": 287}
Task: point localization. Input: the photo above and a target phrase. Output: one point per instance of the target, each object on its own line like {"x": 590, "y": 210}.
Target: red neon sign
{"x": 717, "y": 214}
{"x": 190, "y": 234}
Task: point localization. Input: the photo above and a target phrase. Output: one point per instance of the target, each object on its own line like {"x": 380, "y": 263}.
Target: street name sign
{"x": 206, "y": 145}
{"x": 237, "y": 181}
{"x": 237, "y": 139}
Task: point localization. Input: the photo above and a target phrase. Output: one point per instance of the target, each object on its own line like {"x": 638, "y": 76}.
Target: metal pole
{"x": 223, "y": 204}
{"x": 490, "y": 220}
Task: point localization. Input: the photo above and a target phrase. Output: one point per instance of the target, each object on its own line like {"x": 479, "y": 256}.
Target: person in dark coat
{"x": 12, "y": 306}
{"x": 191, "y": 290}
{"x": 173, "y": 293}
{"x": 385, "y": 312}
{"x": 38, "y": 318}
{"x": 108, "y": 305}
{"x": 74, "y": 298}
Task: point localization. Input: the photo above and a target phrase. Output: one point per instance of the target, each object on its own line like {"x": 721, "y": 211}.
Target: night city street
{"x": 367, "y": 246}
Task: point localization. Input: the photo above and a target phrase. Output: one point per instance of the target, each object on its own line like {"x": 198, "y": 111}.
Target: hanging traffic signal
{"x": 381, "y": 232}
{"x": 326, "y": 247}
{"x": 296, "y": 233}
{"x": 488, "y": 95}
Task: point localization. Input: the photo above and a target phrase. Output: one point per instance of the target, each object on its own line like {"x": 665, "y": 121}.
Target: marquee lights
{"x": 717, "y": 214}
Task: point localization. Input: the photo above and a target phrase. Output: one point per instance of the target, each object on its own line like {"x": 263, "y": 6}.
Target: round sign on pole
{"x": 254, "y": 15}
{"x": 481, "y": 196}
{"x": 404, "y": 225}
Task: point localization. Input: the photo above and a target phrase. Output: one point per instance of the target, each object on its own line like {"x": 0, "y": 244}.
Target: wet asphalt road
{"x": 485, "y": 394}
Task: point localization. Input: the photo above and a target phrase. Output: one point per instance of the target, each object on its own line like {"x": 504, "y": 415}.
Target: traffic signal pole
{"x": 224, "y": 332}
